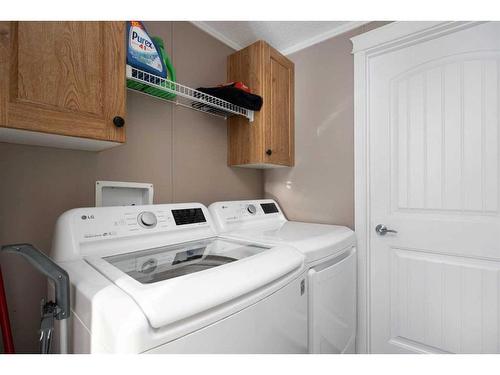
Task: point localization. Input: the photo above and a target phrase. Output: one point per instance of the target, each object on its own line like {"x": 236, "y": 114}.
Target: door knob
{"x": 382, "y": 230}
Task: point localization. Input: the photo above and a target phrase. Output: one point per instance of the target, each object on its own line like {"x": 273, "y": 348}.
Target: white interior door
{"x": 434, "y": 178}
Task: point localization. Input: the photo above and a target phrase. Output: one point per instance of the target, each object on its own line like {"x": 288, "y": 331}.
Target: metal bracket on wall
{"x": 60, "y": 309}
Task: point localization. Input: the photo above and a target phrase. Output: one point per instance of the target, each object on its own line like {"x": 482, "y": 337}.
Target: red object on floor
{"x": 8, "y": 343}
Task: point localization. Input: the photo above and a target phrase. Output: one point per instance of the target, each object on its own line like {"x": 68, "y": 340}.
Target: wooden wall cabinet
{"x": 268, "y": 141}
{"x": 63, "y": 83}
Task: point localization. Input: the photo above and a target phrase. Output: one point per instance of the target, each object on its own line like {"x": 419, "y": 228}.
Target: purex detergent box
{"x": 142, "y": 52}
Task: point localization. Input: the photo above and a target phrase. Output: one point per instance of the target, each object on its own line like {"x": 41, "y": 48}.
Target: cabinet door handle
{"x": 118, "y": 121}
{"x": 269, "y": 152}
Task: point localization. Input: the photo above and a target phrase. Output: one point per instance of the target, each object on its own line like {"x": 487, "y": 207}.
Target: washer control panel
{"x": 111, "y": 222}
{"x": 107, "y": 230}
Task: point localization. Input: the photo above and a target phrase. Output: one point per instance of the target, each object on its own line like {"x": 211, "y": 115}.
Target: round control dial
{"x": 147, "y": 219}
{"x": 252, "y": 209}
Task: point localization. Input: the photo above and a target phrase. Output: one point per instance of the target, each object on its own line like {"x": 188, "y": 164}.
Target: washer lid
{"x": 315, "y": 241}
{"x": 175, "y": 282}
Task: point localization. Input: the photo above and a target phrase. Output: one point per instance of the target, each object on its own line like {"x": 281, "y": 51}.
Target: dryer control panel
{"x": 234, "y": 214}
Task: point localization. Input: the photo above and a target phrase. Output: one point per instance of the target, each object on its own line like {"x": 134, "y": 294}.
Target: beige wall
{"x": 320, "y": 188}
{"x": 182, "y": 152}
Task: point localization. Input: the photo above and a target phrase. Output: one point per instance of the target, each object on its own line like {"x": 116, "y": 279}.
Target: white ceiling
{"x": 285, "y": 36}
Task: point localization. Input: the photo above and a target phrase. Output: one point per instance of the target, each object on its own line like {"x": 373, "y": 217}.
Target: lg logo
{"x": 89, "y": 217}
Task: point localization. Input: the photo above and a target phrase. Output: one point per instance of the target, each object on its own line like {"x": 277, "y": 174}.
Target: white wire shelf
{"x": 186, "y": 96}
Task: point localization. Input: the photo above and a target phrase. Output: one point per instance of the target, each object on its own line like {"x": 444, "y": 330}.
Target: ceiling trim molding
{"x": 203, "y": 25}
{"x": 323, "y": 36}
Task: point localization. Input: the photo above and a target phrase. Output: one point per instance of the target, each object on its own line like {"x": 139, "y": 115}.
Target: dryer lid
{"x": 175, "y": 282}
{"x": 315, "y": 241}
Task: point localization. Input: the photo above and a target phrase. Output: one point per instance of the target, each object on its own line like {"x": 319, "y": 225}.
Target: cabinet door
{"x": 65, "y": 78}
{"x": 246, "y": 140}
{"x": 279, "y": 98}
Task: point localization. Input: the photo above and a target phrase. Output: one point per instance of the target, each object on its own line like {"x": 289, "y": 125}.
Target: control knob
{"x": 147, "y": 219}
{"x": 252, "y": 209}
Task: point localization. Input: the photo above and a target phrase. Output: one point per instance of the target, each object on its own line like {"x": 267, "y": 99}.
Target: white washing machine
{"x": 330, "y": 252}
{"x": 157, "y": 279}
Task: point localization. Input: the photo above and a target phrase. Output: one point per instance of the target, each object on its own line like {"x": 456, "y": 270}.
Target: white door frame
{"x": 387, "y": 38}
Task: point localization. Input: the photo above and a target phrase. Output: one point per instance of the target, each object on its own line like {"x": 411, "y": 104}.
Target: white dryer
{"x": 330, "y": 252}
{"x": 157, "y": 279}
